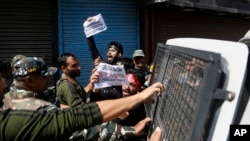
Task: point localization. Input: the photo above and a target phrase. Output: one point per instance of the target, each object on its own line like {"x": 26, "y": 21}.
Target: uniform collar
{"x": 20, "y": 93}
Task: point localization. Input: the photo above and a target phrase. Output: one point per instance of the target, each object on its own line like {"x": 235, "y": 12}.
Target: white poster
{"x": 94, "y": 26}
{"x": 111, "y": 75}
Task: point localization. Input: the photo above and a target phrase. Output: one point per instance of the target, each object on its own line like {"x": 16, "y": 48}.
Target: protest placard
{"x": 94, "y": 26}
{"x": 111, "y": 75}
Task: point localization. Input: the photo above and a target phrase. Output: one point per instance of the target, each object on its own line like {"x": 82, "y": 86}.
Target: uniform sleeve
{"x": 68, "y": 94}
{"x": 113, "y": 131}
{"x": 108, "y": 131}
{"x": 53, "y": 125}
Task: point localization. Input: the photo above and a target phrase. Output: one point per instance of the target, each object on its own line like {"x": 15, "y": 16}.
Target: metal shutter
{"x": 26, "y": 28}
{"x": 121, "y": 17}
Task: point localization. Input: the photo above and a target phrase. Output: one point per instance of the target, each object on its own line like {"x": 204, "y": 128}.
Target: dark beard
{"x": 114, "y": 61}
{"x": 75, "y": 74}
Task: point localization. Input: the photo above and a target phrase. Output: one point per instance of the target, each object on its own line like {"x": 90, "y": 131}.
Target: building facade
{"x": 48, "y": 28}
{"x": 215, "y": 19}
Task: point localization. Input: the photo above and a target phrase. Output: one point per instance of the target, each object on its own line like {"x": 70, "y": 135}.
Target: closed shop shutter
{"x": 120, "y": 16}
{"x": 26, "y": 28}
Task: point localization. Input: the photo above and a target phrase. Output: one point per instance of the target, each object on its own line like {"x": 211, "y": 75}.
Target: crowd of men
{"x": 22, "y": 93}
{"x": 29, "y": 110}
{"x": 76, "y": 112}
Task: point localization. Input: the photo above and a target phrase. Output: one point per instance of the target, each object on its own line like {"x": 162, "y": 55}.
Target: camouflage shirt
{"x": 22, "y": 99}
{"x": 29, "y": 125}
{"x": 109, "y": 131}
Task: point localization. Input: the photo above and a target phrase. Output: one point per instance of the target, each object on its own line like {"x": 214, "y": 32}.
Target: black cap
{"x": 116, "y": 45}
{"x": 28, "y": 65}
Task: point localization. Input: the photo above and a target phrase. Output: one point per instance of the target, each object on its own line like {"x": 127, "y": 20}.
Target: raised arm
{"x": 92, "y": 48}
{"x": 92, "y": 45}
{"x": 47, "y": 125}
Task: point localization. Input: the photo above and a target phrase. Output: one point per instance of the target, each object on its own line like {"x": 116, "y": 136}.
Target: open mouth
{"x": 125, "y": 93}
{"x": 110, "y": 58}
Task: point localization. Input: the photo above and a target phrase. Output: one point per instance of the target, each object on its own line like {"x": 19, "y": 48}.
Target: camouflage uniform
{"x": 41, "y": 120}
{"x": 14, "y": 60}
{"x": 18, "y": 98}
{"x": 109, "y": 131}
{"x": 22, "y": 99}
{"x": 40, "y": 128}
{"x": 24, "y": 125}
